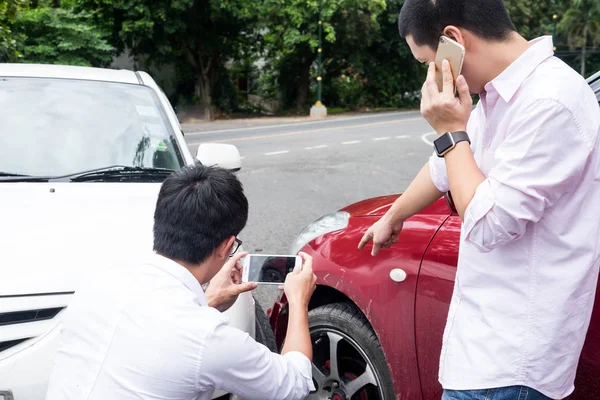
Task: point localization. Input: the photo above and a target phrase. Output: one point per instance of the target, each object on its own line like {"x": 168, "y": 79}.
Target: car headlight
{"x": 326, "y": 224}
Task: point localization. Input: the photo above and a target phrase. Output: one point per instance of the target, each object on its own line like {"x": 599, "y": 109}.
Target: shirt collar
{"x": 181, "y": 273}
{"x": 509, "y": 81}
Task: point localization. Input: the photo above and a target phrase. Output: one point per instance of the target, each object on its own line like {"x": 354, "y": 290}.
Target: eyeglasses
{"x": 235, "y": 246}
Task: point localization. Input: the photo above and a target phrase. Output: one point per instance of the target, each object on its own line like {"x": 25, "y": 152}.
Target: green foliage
{"x": 383, "y": 74}
{"x": 291, "y": 40}
{"x": 581, "y": 25}
{"x": 8, "y": 40}
{"x": 62, "y": 36}
{"x": 202, "y": 33}
{"x": 532, "y": 18}
{"x": 214, "y": 44}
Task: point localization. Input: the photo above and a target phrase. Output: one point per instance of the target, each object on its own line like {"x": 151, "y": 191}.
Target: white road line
{"x": 273, "y": 153}
{"x": 321, "y": 146}
{"x": 310, "y": 131}
{"x": 352, "y": 142}
{"x": 324, "y": 121}
{"x": 402, "y": 137}
{"x": 425, "y": 138}
{"x": 377, "y": 139}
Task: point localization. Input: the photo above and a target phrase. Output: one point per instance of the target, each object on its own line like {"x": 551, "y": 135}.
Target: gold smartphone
{"x": 452, "y": 51}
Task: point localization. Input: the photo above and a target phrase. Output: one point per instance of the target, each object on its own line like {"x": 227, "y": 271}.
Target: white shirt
{"x": 530, "y": 240}
{"x": 147, "y": 333}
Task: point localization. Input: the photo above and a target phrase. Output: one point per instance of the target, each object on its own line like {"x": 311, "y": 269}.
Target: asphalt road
{"x": 294, "y": 173}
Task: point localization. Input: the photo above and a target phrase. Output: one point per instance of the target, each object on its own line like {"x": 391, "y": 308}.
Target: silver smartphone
{"x": 268, "y": 269}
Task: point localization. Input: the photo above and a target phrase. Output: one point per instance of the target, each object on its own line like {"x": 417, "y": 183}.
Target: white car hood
{"x": 54, "y": 234}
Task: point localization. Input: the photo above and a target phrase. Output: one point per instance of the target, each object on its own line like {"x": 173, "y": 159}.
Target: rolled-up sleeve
{"x": 234, "y": 362}
{"x": 542, "y": 157}
{"x": 438, "y": 172}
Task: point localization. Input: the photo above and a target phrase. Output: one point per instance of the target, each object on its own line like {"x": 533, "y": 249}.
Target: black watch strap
{"x": 448, "y": 141}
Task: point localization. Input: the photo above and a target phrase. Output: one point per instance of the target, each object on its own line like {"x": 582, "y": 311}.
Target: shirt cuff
{"x": 304, "y": 366}
{"x": 437, "y": 170}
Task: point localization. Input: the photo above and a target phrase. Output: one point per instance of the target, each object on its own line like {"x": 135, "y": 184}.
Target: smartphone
{"x": 452, "y": 51}
{"x": 268, "y": 269}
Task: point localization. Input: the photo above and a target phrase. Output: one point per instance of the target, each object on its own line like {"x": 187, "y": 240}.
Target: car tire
{"x": 357, "y": 351}
{"x": 263, "y": 330}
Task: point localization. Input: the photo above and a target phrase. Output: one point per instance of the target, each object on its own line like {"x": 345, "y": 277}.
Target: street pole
{"x": 554, "y": 18}
{"x": 319, "y": 110}
{"x": 320, "y": 52}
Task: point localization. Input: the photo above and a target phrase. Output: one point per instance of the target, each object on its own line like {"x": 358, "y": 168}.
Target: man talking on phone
{"x": 523, "y": 169}
{"x": 151, "y": 332}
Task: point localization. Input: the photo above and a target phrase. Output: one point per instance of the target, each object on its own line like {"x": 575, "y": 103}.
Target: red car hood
{"x": 377, "y": 206}
{"x": 371, "y": 207}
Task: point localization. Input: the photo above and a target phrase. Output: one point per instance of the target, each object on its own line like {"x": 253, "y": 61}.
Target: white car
{"x": 83, "y": 152}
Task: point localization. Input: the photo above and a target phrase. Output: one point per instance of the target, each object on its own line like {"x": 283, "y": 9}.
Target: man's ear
{"x": 224, "y": 249}
{"x": 455, "y": 34}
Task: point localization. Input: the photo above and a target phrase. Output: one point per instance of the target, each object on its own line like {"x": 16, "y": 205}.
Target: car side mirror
{"x": 221, "y": 155}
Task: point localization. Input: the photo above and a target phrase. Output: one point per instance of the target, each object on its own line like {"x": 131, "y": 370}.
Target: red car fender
{"x": 347, "y": 274}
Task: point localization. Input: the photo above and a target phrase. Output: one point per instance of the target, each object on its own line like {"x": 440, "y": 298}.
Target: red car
{"x": 377, "y": 322}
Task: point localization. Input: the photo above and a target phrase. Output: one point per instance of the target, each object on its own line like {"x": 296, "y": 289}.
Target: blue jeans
{"x": 504, "y": 393}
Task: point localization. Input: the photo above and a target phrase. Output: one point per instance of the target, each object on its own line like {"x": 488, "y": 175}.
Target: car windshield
{"x": 56, "y": 127}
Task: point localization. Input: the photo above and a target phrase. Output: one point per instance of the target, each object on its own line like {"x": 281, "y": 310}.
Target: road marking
{"x": 377, "y": 139}
{"x": 274, "y": 153}
{"x": 352, "y": 142}
{"x": 321, "y": 146}
{"x": 337, "y": 128}
{"x": 425, "y": 137}
{"x": 324, "y": 121}
{"x": 402, "y": 137}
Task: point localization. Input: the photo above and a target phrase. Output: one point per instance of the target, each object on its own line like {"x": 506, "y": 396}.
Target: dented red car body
{"x": 408, "y": 317}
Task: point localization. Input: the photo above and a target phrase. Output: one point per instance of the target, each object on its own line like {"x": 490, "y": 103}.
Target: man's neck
{"x": 199, "y": 271}
{"x": 502, "y": 54}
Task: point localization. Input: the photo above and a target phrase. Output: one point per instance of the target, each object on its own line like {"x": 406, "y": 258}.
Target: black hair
{"x": 197, "y": 209}
{"x": 425, "y": 20}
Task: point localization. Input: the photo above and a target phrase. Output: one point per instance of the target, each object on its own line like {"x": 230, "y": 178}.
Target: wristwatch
{"x": 448, "y": 141}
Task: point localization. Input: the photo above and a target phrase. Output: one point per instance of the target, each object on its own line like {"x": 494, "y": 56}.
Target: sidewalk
{"x": 197, "y": 125}
{"x": 201, "y": 126}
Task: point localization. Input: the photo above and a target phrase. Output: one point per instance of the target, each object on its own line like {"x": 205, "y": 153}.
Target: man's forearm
{"x": 464, "y": 176}
{"x": 298, "y": 336}
{"x": 419, "y": 194}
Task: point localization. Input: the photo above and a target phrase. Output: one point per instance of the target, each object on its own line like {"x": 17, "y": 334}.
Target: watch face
{"x": 443, "y": 143}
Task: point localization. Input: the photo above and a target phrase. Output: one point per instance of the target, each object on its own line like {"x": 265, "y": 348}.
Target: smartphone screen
{"x": 268, "y": 269}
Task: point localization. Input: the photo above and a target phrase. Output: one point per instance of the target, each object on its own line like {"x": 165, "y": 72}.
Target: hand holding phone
{"x": 301, "y": 283}
{"x": 226, "y": 285}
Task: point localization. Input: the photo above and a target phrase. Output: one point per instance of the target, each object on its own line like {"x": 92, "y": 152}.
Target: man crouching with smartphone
{"x": 151, "y": 332}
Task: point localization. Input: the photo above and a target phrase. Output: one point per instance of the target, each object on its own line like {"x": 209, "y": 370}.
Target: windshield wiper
{"x": 11, "y": 174}
{"x": 12, "y": 177}
{"x": 112, "y": 171}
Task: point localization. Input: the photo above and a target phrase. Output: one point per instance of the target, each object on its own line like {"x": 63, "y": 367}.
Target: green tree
{"x": 532, "y": 18}
{"x": 581, "y": 24}
{"x": 62, "y": 36}
{"x": 378, "y": 70}
{"x": 8, "y": 42}
{"x": 202, "y": 34}
{"x": 291, "y": 39}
